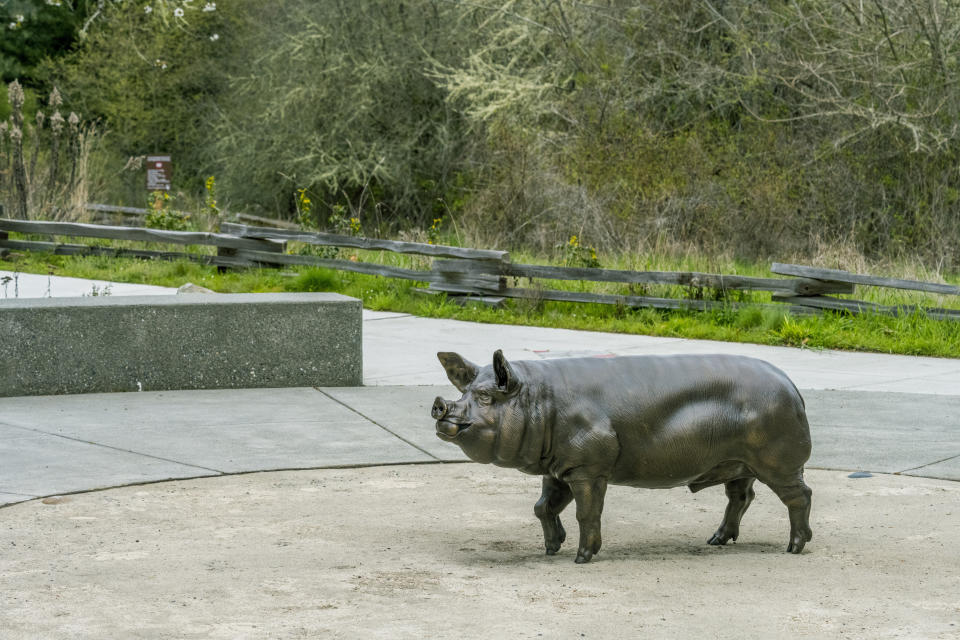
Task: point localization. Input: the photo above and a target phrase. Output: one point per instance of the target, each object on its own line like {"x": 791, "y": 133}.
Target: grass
{"x": 913, "y": 334}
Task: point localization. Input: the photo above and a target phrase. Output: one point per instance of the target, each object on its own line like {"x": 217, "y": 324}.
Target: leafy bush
{"x": 161, "y": 216}
{"x": 753, "y": 127}
{"x": 336, "y": 98}
{"x": 33, "y": 30}
{"x": 153, "y": 72}
{"x": 756, "y": 129}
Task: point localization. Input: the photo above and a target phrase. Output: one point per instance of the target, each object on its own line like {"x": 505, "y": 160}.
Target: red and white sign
{"x": 159, "y": 173}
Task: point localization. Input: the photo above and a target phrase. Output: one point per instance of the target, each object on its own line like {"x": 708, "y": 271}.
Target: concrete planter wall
{"x": 102, "y": 344}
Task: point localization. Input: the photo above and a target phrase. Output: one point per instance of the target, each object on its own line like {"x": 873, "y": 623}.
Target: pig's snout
{"x": 440, "y": 409}
{"x": 449, "y": 421}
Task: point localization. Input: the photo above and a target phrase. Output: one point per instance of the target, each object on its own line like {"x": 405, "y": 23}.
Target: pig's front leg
{"x": 555, "y": 496}
{"x": 589, "y": 493}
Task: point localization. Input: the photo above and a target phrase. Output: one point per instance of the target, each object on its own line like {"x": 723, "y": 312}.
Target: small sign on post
{"x": 159, "y": 173}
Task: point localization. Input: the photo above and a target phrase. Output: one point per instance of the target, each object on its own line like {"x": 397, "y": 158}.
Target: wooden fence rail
{"x": 138, "y": 214}
{"x": 136, "y": 234}
{"x": 792, "y": 286}
{"x": 335, "y": 240}
{"x": 838, "y": 275}
{"x": 64, "y": 249}
{"x": 226, "y": 245}
{"x": 861, "y": 306}
{"x": 484, "y": 274}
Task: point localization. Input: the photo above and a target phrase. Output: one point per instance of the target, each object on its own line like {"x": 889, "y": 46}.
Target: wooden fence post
{"x": 4, "y": 236}
{"x": 225, "y": 252}
{"x": 230, "y": 252}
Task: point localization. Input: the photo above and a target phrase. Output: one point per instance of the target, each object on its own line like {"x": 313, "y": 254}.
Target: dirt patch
{"x": 453, "y": 551}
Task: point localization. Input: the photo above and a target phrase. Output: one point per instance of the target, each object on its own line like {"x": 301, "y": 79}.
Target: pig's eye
{"x": 483, "y": 399}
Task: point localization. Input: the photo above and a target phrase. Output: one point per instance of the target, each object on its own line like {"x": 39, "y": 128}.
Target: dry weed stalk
{"x": 40, "y": 188}
{"x": 15, "y": 94}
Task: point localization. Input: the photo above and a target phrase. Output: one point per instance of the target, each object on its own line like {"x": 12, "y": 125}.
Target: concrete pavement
{"x": 338, "y": 541}
{"x": 872, "y": 412}
{"x": 401, "y": 350}
{"x": 32, "y": 285}
{"x": 453, "y": 551}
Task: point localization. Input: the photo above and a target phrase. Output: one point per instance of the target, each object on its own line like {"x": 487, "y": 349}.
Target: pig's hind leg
{"x": 795, "y": 494}
{"x": 555, "y": 496}
{"x": 589, "y": 494}
{"x": 739, "y": 496}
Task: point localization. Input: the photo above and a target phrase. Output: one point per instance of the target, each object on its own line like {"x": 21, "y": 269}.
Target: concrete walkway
{"x": 32, "y": 285}
{"x": 332, "y": 543}
{"x": 401, "y": 350}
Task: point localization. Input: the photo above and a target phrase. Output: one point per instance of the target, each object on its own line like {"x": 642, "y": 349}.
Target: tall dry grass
{"x": 44, "y": 166}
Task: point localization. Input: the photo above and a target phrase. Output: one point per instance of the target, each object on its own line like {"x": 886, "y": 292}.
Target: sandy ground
{"x": 454, "y": 551}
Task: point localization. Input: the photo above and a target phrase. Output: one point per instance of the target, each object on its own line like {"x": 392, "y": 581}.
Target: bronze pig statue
{"x": 642, "y": 421}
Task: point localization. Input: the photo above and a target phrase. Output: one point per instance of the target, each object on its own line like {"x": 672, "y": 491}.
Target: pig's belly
{"x": 682, "y": 452}
{"x": 673, "y": 474}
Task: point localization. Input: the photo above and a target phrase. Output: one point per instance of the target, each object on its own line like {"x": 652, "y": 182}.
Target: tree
{"x": 34, "y": 30}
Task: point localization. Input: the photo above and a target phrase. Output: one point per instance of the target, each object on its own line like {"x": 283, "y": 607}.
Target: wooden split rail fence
{"x": 485, "y": 275}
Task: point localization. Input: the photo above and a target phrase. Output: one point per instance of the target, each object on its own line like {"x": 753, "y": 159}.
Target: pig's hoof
{"x": 583, "y": 557}
{"x": 553, "y": 547}
{"x": 796, "y": 546}
{"x": 721, "y": 537}
{"x": 799, "y": 539}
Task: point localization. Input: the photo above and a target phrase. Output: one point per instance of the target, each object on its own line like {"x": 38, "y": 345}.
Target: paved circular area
{"x": 451, "y": 551}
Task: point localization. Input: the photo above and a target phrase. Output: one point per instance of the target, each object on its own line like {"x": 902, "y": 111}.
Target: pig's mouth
{"x": 449, "y": 430}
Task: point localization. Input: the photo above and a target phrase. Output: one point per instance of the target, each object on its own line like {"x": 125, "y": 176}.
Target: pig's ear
{"x": 460, "y": 371}
{"x": 506, "y": 377}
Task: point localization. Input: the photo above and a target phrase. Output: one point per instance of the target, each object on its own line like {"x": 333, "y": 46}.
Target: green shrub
{"x": 161, "y": 216}
{"x": 33, "y": 30}
{"x": 794, "y": 333}
{"x": 736, "y": 128}
{"x": 154, "y": 79}
{"x": 315, "y": 280}
{"x": 336, "y": 98}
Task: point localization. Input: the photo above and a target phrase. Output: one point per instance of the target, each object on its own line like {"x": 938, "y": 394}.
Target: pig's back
{"x": 641, "y": 383}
